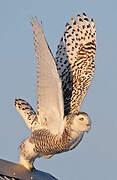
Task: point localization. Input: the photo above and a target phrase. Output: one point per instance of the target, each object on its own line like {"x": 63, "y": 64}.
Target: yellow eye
{"x": 81, "y": 119}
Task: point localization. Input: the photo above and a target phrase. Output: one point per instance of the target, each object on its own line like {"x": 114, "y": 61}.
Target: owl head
{"x": 81, "y": 122}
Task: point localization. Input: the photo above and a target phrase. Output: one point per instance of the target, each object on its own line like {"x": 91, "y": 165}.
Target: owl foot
{"x": 28, "y": 164}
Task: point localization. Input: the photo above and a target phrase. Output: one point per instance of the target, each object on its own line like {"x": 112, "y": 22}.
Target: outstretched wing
{"x": 50, "y": 108}
{"x": 28, "y": 114}
{"x": 75, "y": 61}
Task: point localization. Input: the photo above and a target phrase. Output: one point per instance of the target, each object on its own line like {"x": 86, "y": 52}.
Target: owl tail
{"x": 27, "y": 112}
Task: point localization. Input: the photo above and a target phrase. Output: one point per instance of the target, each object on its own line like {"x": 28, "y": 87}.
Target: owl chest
{"x": 74, "y": 142}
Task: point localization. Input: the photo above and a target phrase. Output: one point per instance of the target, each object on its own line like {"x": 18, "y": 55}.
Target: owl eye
{"x": 81, "y": 119}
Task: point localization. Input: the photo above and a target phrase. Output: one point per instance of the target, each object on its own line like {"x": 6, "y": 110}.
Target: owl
{"x": 62, "y": 83}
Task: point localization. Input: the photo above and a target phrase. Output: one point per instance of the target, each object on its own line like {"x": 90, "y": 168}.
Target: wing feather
{"x": 75, "y": 61}
{"x": 50, "y": 108}
{"x": 28, "y": 114}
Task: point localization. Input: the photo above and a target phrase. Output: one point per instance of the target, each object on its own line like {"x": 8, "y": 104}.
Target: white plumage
{"x": 62, "y": 83}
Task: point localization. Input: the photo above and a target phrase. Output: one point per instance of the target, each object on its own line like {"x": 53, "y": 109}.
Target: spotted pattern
{"x": 45, "y": 143}
{"x": 75, "y": 64}
{"x": 75, "y": 61}
{"x": 27, "y": 113}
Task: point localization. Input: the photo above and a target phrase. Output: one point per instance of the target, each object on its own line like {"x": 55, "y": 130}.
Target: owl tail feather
{"x": 27, "y": 112}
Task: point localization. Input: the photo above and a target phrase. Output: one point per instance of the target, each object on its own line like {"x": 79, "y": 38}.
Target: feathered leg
{"x": 27, "y": 154}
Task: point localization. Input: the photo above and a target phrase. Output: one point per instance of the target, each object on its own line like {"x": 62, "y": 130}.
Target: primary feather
{"x": 75, "y": 61}
{"x": 49, "y": 88}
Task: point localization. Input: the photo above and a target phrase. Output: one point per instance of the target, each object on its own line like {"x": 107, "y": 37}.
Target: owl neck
{"x": 69, "y": 136}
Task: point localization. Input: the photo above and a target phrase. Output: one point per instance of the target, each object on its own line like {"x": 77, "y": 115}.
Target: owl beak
{"x": 89, "y": 127}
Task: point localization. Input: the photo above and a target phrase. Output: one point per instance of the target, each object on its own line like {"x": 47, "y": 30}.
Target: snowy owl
{"x": 62, "y": 82}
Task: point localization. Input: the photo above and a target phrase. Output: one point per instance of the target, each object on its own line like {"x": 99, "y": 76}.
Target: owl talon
{"x": 28, "y": 164}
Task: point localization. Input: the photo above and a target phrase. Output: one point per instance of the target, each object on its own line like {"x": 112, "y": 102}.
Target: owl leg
{"x": 27, "y": 154}
{"x": 28, "y": 164}
{"x": 28, "y": 114}
{"x": 48, "y": 156}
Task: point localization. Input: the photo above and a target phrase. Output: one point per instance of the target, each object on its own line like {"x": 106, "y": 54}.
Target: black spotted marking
{"x": 82, "y": 63}
{"x": 84, "y": 14}
{"x": 26, "y": 110}
{"x": 79, "y": 16}
{"x": 72, "y": 48}
{"x": 68, "y": 44}
{"x": 89, "y": 48}
{"x": 83, "y": 26}
{"x": 65, "y": 62}
{"x": 92, "y": 20}
{"x": 73, "y": 39}
{"x": 74, "y": 23}
{"x": 69, "y": 28}
{"x": 65, "y": 33}
{"x": 86, "y": 19}
{"x": 65, "y": 40}
{"x": 88, "y": 26}
{"x": 67, "y": 24}
{"x": 69, "y": 35}
{"x": 80, "y": 19}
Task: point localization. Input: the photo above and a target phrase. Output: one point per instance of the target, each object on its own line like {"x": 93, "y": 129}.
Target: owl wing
{"x": 28, "y": 114}
{"x": 75, "y": 61}
{"x": 50, "y": 108}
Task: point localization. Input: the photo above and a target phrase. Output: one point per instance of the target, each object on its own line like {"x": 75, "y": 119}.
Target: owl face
{"x": 81, "y": 122}
{"x": 84, "y": 122}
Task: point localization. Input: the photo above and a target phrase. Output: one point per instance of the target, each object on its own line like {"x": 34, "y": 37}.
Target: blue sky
{"x": 96, "y": 156}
